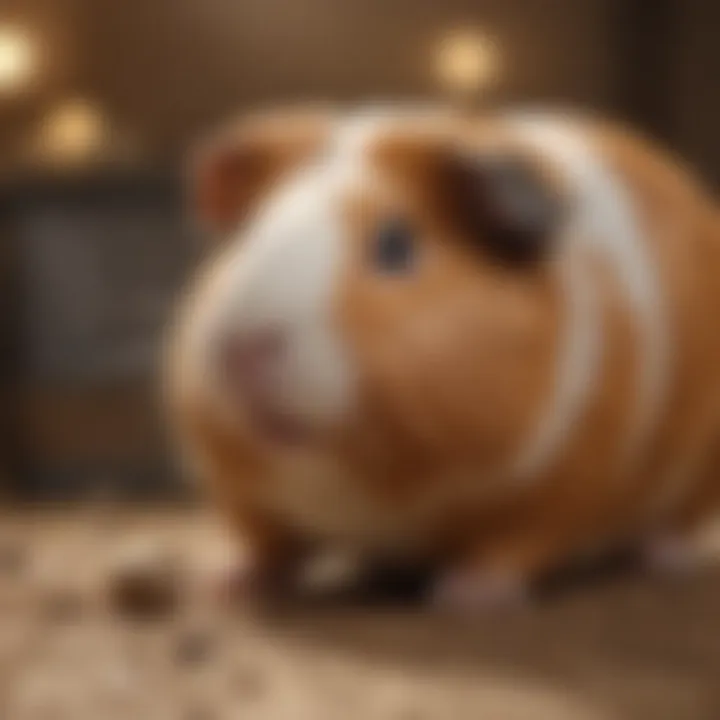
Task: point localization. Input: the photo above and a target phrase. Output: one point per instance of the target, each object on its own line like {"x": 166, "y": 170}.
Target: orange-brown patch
{"x": 457, "y": 355}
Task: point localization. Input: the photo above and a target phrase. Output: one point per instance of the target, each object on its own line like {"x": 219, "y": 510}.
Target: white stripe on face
{"x": 280, "y": 275}
{"x": 282, "y": 271}
{"x": 603, "y": 223}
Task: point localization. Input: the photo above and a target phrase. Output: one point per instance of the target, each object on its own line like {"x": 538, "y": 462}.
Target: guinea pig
{"x": 488, "y": 343}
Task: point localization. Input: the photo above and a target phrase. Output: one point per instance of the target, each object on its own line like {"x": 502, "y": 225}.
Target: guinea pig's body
{"x": 491, "y": 343}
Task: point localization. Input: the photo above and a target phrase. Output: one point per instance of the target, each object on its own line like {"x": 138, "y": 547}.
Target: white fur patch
{"x": 291, "y": 265}
{"x": 579, "y": 357}
{"x": 280, "y": 275}
{"x": 604, "y": 222}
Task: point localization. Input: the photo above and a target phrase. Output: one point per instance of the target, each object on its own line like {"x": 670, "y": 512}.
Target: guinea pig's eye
{"x": 394, "y": 247}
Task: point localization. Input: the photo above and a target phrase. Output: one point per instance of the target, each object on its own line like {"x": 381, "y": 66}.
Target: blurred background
{"x": 100, "y": 100}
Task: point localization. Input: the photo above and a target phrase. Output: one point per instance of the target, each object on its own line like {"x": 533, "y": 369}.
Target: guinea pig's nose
{"x": 249, "y": 358}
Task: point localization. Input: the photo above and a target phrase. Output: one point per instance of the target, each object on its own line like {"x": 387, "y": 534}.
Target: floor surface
{"x": 629, "y": 648}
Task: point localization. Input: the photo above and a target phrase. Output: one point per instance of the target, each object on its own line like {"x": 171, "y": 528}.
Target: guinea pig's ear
{"x": 501, "y": 201}
{"x": 232, "y": 171}
{"x": 227, "y": 175}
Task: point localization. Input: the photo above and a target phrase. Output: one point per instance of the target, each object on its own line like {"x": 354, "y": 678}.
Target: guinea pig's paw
{"x": 468, "y": 590}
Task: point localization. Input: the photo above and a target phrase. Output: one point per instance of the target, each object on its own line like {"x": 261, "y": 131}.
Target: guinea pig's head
{"x": 385, "y": 283}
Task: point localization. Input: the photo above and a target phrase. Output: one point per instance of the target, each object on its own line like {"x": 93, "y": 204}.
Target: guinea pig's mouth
{"x": 270, "y": 393}
{"x": 248, "y": 375}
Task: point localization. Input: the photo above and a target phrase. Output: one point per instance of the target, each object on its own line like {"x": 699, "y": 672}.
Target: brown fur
{"x": 456, "y": 365}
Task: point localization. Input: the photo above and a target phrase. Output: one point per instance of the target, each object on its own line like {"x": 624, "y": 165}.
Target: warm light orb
{"x": 466, "y": 61}
{"x": 17, "y": 59}
{"x": 75, "y": 131}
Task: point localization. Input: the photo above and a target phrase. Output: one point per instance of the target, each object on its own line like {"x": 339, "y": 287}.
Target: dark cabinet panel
{"x": 96, "y": 267}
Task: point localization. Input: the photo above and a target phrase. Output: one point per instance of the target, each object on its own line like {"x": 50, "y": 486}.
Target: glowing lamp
{"x": 18, "y": 59}
{"x": 466, "y": 62}
{"x": 74, "y": 132}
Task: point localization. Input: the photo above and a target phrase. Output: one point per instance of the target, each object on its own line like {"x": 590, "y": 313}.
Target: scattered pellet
{"x": 144, "y": 584}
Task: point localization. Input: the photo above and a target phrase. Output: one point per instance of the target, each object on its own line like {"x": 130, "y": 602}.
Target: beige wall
{"x": 166, "y": 68}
